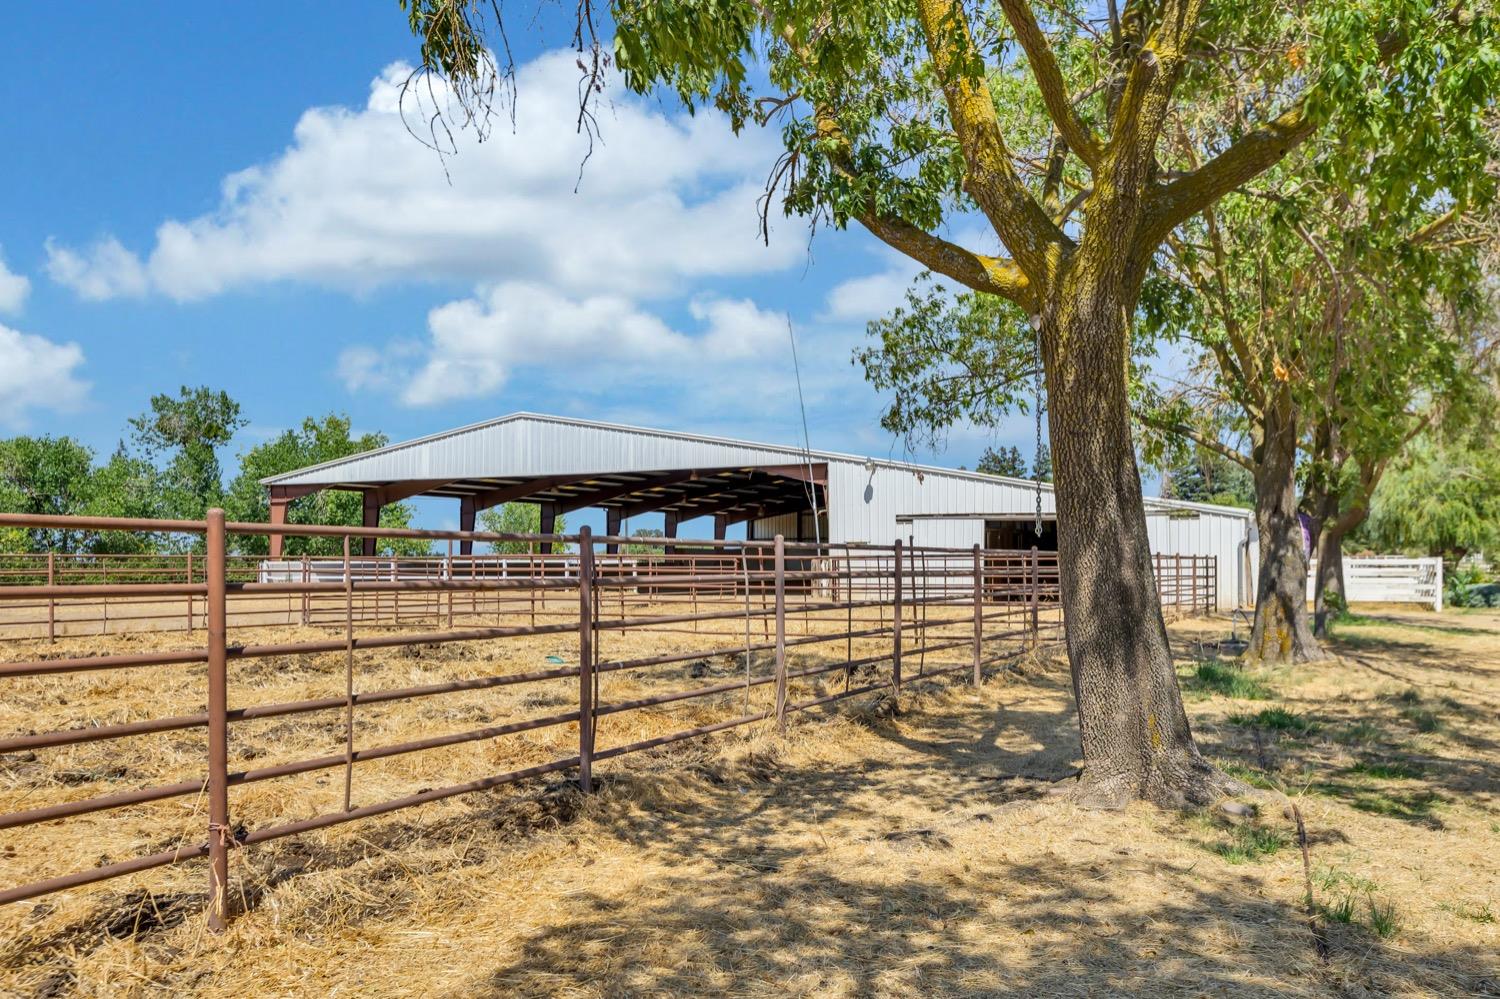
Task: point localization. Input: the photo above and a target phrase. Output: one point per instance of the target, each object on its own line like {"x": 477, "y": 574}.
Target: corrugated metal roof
{"x": 443, "y": 455}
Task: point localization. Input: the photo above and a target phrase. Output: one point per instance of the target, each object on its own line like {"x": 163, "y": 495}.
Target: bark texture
{"x": 1328, "y": 583}
{"x": 1282, "y": 632}
{"x": 1136, "y": 739}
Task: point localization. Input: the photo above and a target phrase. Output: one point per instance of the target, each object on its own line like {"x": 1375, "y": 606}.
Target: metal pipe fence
{"x": 793, "y": 627}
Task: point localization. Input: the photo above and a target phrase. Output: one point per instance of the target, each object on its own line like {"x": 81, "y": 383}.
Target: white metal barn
{"x": 631, "y": 472}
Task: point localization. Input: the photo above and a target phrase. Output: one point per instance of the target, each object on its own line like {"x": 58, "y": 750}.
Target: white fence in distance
{"x": 1391, "y": 579}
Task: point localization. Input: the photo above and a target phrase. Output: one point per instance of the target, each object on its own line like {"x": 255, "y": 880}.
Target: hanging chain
{"x": 1036, "y": 470}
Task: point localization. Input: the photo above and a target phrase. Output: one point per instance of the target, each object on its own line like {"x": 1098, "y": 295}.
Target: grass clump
{"x": 1388, "y": 769}
{"x": 1360, "y": 732}
{"x": 1480, "y": 913}
{"x": 1418, "y": 807}
{"x": 1279, "y": 719}
{"x": 1228, "y": 681}
{"x": 1424, "y": 719}
{"x": 1380, "y": 916}
{"x": 1253, "y": 776}
{"x": 1249, "y": 842}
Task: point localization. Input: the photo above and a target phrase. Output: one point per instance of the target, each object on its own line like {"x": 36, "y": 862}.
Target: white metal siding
{"x": 865, "y": 497}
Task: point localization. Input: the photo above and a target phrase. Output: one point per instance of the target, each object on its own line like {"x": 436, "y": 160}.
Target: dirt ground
{"x": 869, "y": 853}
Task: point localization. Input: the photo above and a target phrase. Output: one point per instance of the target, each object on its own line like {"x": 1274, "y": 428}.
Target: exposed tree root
{"x": 1181, "y": 785}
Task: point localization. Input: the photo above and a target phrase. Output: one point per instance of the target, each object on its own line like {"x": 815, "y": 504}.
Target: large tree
{"x": 518, "y": 518}
{"x": 188, "y": 430}
{"x": 316, "y": 441}
{"x": 1321, "y": 347}
{"x": 1046, "y": 121}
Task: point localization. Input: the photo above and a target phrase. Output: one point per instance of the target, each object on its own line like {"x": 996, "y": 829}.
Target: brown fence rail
{"x": 791, "y": 627}
{"x": 154, "y": 593}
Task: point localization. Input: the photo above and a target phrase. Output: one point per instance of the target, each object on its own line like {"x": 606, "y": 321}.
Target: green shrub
{"x": 1229, "y": 681}
{"x": 1279, "y": 719}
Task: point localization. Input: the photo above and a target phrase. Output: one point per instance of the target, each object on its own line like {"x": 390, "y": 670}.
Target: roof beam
{"x": 725, "y": 502}
{"x": 652, "y": 481}
{"x": 815, "y": 472}
{"x": 771, "y": 510}
{"x": 521, "y": 490}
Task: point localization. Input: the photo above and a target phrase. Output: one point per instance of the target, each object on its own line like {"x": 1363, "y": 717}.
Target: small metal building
{"x": 567, "y": 464}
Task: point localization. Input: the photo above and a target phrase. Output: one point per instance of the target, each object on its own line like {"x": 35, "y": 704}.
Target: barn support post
{"x": 612, "y": 528}
{"x": 585, "y": 660}
{"x": 669, "y": 529}
{"x": 219, "y": 832}
{"x": 465, "y": 523}
{"x": 370, "y": 518}
{"x": 896, "y": 623}
{"x": 721, "y": 526}
{"x": 978, "y": 612}
{"x": 279, "y": 502}
{"x": 780, "y": 634}
{"x": 548, "y": 523}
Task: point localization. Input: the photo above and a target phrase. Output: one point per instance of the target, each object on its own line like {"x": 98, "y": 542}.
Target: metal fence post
{"x": 896, "y": 624}
{"x": 52, "y": 602}
{"x": 1036, "y": 598}
{"x": 781, "y": 634}
{"x": 218, "y": 728}
{"x": 978, "y": 611}
{"x": 586, "y": 660}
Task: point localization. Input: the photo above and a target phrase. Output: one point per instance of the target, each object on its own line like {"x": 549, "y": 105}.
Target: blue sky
{"x": 225, "y": 195}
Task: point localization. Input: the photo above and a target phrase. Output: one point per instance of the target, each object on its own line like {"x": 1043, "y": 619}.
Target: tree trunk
{"x": 1329, "y": 595}
{"x": 1281, "y": 632}
{"x": 1136, "y": 740}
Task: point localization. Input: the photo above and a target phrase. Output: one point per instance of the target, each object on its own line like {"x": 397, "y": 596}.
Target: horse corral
{"x": 153, "y": 720}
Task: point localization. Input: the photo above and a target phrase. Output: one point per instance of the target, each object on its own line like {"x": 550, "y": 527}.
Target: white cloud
{"x": 13, "y": 289}
{"x": 474, "y": 344}
{"x": 871, "y": 296}
{"x": 37, "y": 374}
{"x": 106, "y": 270}
{"x": 355, "y": 202}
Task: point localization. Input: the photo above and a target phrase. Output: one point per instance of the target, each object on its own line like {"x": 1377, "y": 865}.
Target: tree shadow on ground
{"x": 756, "y": 899}
{"x": 862, "y": 879}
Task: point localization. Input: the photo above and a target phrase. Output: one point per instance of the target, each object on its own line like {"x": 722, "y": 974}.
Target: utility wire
{"x": 812, "y": 487}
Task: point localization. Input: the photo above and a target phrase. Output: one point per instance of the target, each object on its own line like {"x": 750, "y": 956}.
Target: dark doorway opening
{"x": 1021, "y": 534}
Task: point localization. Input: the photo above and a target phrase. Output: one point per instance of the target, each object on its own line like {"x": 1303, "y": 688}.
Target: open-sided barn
{"x": 567, "y": 464}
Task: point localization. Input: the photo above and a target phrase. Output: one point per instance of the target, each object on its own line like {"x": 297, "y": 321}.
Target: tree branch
{"x": 992, "y": 275}
{"x": 1248, "y": 157}
{"x": 1022, "y": 225}
{"x": 1198, "y": 437}
{"x": 1049, "y": 81}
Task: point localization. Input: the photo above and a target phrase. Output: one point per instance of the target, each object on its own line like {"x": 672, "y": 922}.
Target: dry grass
{"x": 865, "y": 854}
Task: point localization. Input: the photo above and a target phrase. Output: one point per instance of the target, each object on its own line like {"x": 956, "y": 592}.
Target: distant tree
{"x": 1041, "y": 469}
{"x": 646, "y": 532}
{"x": 44, "y": 476}
{"x": 189, "y": 429}
{"x": 316, "y": 441}
{"x": 1005, "y": 461}
{"x": 1443, "y": 499}
{"x": 1205, "y": 476}
{"x": 127, "y": 487}
{"x": 517, "y": 518}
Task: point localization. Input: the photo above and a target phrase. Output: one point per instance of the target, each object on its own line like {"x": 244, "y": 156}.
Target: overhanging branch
{"x": 1049, "y": 81}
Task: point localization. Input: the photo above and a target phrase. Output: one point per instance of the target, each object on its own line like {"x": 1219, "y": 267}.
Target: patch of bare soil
{"x": 882, "y": 850}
